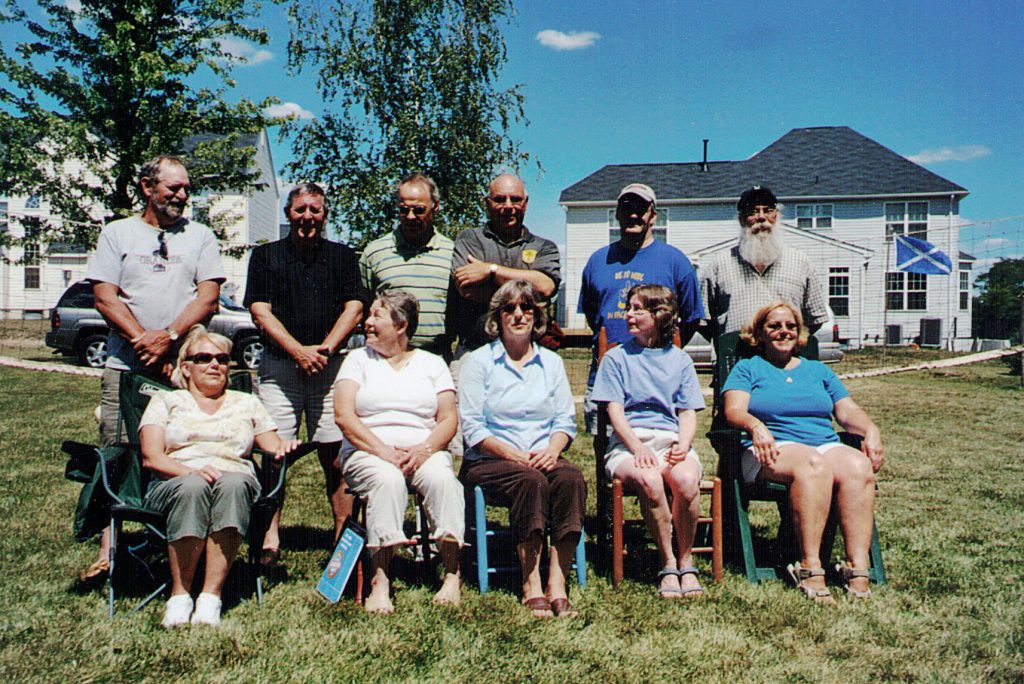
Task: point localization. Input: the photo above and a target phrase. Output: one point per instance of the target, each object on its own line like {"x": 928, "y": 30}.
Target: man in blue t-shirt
{"x": 635, "y": 259}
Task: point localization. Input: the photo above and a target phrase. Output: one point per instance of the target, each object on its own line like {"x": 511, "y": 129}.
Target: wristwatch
{"x": 494, "y": 270}
{"x": 172, "y": 334}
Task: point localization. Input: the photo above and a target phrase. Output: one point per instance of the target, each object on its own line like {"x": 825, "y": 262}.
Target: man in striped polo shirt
{"x": 417, "y": 259}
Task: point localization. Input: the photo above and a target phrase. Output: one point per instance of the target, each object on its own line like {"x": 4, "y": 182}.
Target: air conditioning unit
{"x": 894, "y": 335}
{"x": 931, "y": 332}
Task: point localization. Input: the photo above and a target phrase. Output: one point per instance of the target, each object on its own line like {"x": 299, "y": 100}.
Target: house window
{"x": 660, "y": 228}
{"x": 907, "y": 218}
{"x": 3, "y": 216}
{"x": 31, "y": 277}
{"x": 965, "y": 288}
{"x": 32, "y": 202}
{"x": 839, "y": 290}
{"x": 906, "y": 291}
{"x": 814, "y": 216}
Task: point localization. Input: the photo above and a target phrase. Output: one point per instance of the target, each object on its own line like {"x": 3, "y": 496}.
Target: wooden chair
{"x": 738, "y": 495}
{"x": 612, "y": 529}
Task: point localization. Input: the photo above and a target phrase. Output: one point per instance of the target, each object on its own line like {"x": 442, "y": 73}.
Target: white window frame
{"x": 965, "y": 287}
{"x": 911, "y": 288}
{"x": 839, "y": 290}
{"x": 815, "y": 216}
{"x": 900, "y": 221}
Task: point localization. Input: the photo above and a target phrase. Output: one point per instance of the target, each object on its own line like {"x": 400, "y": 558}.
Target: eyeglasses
{"x": 204, "y": 358}
{"x": 417, "y": 209}
{"x": 637, "y": 310}
{"x": 634, "y": 205}
{"x": 510, "y": 309}
{"x": 161, "y": 251}
{"x": 500, "y": 200}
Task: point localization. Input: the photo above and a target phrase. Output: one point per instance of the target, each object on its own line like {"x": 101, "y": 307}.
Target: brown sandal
{"x": 847, "y": 573}
{"x": 539, "y": 604}
{"x": 563, "y": 608}
{"x": 800, "y": 574}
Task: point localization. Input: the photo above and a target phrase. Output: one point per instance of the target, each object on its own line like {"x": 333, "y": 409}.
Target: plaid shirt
{"x": 732, "y": 290}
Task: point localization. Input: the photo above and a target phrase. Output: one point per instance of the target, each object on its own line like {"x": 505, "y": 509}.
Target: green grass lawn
{"x": 950, "y": 514}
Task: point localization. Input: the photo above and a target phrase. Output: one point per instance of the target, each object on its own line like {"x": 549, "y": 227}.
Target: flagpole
{"x": 885, "y": 294}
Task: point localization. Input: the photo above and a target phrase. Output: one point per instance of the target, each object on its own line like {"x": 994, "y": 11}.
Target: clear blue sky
{"x": 932, "y": 80}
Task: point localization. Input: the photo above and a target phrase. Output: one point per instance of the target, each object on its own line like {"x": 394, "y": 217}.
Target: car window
{"x": 78, "y": 296}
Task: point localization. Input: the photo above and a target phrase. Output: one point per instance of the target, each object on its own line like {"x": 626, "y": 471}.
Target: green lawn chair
{"x": 114, "y": 491}
{"x": 739, "y": 540}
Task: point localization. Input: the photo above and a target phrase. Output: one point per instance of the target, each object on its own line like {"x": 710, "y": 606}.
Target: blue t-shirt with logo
{"x": 611, "y": 271}
{"x": 795, "y": 405}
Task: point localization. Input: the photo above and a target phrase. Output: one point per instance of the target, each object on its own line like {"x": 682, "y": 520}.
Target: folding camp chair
{"x": 124, "y": 484}
{"x": 738, "y": 495}
{"x": 613, "y": 530}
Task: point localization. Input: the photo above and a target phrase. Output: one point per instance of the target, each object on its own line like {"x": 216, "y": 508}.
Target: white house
{"x": 33, "y": 277}
{"x": 844, "y": 196}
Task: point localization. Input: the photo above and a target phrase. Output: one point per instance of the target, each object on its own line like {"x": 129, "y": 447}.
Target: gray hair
{"x": 196, "y": 334}
{"x": 515, "y": 292}
{"x": 418, "y": 177}
{"x": 151, "y": 168}
{"x": 404, "y": 308}
{"x": 304, "y": 188}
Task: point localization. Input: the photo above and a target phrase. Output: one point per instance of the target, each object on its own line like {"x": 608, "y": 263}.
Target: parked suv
{"x": 77, "y": 329}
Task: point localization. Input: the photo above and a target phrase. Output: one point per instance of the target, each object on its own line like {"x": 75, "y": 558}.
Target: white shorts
{"x": 751, "y": 467}
{"x": 659, "y": 441}
{"x": 288, "y": 393}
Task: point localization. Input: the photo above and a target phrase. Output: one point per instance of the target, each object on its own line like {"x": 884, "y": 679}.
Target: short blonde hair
{"x": 196, "y": 334}
{"x": 515, "y": 292}
{"x": 752, "y": 330}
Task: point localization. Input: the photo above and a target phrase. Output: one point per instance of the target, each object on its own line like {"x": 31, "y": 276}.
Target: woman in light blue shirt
{"x": 518, "y": 416}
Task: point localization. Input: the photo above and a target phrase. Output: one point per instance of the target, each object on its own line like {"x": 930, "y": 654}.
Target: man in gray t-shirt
{"x": 154, "y": 276}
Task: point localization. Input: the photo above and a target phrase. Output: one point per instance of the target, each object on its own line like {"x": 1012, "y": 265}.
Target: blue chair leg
{"x": 480, "y": 515}
{"x": 581, "y": 562}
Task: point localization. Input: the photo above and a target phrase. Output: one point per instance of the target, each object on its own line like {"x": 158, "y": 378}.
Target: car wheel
{"x": 94, "y": 351}
{"x": 249, "y": 352}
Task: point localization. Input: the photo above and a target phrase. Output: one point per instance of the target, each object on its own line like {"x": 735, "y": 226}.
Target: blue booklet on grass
{"x": 343, "y": 561}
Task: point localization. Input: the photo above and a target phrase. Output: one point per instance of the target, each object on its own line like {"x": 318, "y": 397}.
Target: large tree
{"x": 997, "y": 309}
{"x": 108, "y": 84}
{"x": 408, "y": 85}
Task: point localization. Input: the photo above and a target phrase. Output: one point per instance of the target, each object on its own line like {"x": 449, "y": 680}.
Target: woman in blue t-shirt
{"x": 653, "y": 395}
{"x": 786, "y": 404}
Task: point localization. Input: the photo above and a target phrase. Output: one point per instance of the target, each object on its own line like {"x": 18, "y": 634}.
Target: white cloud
{"x": 993, "y": 243}
{"x": 982, "y": 266}
{"x": 288, "y": 109}
{"x": 73, "y": 5}
{"x": 943, "y": 154}
{"x": 236, "y": 50}
{"x": 574, "y": 40}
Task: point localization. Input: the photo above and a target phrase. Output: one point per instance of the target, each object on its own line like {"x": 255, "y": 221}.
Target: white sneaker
{"x": 177, "y": 611}
{"x": 207, "y": 610}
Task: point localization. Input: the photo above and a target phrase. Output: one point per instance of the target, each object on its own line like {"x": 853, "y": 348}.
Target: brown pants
{"x": 535, "y": 499}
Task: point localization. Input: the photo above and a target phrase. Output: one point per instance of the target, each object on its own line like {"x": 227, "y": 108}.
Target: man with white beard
{"x": 758, "y": 271}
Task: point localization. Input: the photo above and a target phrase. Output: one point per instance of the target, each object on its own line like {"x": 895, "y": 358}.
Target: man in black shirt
{"x": 305, "y": 296}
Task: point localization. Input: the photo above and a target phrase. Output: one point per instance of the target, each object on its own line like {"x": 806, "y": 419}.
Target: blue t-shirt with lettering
{"x": 611, "y": 271}
{"x": 796, "y": 405}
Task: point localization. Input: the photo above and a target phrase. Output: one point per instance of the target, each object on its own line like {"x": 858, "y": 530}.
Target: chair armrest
{"x": 82, "y": 460}
{"x": 267, "y": 466}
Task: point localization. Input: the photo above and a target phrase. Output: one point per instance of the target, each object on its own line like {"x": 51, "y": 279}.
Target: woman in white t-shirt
{"x": 198, "y": 442}
{"x": 396, "y": 408}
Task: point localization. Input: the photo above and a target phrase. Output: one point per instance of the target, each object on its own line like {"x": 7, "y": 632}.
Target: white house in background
{"x": 844, "y": 196}
{"x": 30, "y": 287}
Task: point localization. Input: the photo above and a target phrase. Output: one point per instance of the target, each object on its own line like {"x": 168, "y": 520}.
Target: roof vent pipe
{"x": 704, "y": 164}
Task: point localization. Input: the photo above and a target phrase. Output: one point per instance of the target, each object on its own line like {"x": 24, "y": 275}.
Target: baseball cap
{"x": 640, "y": 190}
{"x": 757, "y": 196}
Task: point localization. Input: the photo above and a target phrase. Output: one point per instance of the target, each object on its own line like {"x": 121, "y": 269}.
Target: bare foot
{"x": 450, "y": 593}
{"x": 379, "y": 601}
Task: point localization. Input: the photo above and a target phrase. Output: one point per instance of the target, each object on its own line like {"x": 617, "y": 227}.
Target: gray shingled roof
{"x": 832, "y": 161}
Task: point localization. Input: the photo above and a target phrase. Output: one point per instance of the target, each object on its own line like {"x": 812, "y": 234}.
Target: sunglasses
{"x": 417, "y": 210}
{"x": 204, "y": 358}
{"x": 511, "y": 309}
{"x": 161, "y": 251}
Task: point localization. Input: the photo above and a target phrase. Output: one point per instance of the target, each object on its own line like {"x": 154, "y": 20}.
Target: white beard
{"x": 761, "y": 249}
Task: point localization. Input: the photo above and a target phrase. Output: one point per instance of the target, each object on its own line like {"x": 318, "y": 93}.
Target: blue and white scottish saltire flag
{"x": 921, "y": 256}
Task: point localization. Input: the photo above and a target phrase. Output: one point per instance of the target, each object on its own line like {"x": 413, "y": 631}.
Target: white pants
{"x": 384, "y": 488}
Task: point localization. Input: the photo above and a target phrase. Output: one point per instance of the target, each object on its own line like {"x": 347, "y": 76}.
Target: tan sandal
{"x": 847, "y": 573}
{"x": 800, "y": 574}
